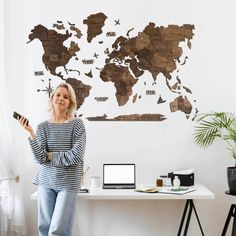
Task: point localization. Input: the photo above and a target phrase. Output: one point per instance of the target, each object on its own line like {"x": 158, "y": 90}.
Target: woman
{"x": 58, "y": 147}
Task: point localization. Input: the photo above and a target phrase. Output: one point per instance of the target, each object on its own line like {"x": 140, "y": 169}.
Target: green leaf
{"x": 216, "y": 125}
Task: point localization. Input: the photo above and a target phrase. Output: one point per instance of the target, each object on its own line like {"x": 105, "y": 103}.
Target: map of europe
{"x": 134, "y": 63}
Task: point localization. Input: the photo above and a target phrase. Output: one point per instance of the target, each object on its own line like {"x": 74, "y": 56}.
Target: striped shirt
{"x": 66, "y": 142}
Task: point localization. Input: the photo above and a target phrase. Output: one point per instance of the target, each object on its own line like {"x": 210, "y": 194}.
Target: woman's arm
{"x": 38, "y": 146}
{"x": 25, "y": 125}
{"x": 37, "y": 142}
{"x": 76, "y": 154}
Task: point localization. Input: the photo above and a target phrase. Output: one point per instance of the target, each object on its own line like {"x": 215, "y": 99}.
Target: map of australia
{"x": 100, "y": 56}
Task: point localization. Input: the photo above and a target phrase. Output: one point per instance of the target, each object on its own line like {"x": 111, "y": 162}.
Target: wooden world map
{"x": 156, "y": 50}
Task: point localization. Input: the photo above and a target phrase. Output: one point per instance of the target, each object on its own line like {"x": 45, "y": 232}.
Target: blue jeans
{"x": 56, "y": 210}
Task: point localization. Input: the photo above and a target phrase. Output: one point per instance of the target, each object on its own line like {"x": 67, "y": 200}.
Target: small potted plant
{"x": 219, "y": 125}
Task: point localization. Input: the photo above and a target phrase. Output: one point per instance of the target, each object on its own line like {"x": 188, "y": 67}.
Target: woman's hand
{"x": 23, "y": 123}
{"x": 49, "y": 156}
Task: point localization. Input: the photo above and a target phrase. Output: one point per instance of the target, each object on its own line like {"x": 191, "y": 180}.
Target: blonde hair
{"x": 73, "y": 104}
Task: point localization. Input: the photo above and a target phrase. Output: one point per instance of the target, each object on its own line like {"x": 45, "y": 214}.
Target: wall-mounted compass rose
{"x": 49, "y": 89}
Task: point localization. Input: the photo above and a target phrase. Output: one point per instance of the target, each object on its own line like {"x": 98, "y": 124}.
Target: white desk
{"x": 201, "y": 192}
{"x": 126, "y": 194}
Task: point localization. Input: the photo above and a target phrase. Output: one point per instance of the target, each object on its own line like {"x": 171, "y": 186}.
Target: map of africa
{"x": 124, "y": 60}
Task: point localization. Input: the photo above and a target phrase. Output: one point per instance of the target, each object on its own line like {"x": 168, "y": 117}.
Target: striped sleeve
{"x": 76, "y": 154}
{"x": 38, "y": 146}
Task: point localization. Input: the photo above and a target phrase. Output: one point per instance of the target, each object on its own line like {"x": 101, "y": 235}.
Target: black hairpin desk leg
{"x": 232, "y": 213}
{"x": 234, "y": 227}
{"x": 189, "y": 207}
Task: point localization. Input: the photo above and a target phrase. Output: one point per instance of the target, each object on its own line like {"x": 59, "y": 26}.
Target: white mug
{"x": 94, "y": 182}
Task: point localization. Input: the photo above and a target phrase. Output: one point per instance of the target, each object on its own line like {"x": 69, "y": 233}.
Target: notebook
{"x": 119, "y": 176}
{"x": 179, "y": 191}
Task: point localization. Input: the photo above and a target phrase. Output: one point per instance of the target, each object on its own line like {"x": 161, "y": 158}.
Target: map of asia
{"x": 119, "y": 72}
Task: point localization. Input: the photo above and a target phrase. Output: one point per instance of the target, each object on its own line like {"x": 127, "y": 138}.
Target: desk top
{"x": 201, "y": 192}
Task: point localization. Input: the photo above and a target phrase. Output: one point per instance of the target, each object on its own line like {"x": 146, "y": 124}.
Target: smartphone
{"x": 18, "y": 116}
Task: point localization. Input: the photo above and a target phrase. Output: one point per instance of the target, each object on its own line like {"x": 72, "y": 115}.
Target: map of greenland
{"x": 156, "y": 50}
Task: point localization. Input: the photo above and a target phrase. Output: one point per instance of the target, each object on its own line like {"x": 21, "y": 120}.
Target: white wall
{"x": 156, "y": 147}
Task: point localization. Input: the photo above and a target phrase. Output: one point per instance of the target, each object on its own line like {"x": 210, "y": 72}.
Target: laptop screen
{"x": 119, "y": 175}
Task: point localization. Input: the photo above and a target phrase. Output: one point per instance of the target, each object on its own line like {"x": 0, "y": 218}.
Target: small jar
{"x": 159, "y": 182}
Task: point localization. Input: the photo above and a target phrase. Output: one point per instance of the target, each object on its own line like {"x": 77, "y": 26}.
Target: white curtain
{"x": 12, "y": 217}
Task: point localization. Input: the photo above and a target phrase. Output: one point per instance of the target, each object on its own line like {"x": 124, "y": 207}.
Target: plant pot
{"x": 231, "y": 177}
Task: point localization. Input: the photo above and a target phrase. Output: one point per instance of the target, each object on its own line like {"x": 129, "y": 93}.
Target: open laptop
{"x": 119, "y": 176}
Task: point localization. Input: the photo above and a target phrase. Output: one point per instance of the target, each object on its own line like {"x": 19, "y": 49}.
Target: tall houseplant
{"x": 219, "y": 125}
